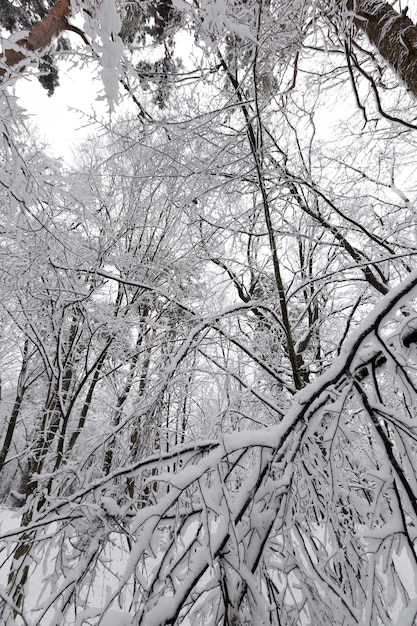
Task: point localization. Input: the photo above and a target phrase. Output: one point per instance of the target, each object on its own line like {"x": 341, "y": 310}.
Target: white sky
{"x": 60, "y": 117}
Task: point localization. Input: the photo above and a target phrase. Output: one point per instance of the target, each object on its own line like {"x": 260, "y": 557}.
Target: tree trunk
{"x": 393, "y": 34}
{"x": 39, "y": 37}
{"x": 20, "y": 392}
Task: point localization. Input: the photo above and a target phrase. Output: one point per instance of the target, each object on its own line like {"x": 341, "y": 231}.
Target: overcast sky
{"x": 60, "y": 117}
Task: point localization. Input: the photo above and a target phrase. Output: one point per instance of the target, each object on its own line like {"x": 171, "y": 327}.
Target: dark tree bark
{"x": 393, "y": 34}
{"x": 20, "y": 392}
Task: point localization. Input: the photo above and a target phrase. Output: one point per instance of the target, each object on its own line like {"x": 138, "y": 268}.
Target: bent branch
{"x": 38, "y": 39}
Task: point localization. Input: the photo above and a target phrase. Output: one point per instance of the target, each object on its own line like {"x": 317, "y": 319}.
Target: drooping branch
{"x": 39, "y": 37}
{"x": 393, "y": 34}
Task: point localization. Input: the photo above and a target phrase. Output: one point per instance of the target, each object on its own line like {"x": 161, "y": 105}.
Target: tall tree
{"x": 211, "y": 408}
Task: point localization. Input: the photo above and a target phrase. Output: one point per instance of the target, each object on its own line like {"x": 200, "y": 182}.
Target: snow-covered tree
{"x": 208, "y": 366}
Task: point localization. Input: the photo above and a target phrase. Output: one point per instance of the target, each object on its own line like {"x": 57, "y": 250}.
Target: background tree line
{"x": 208, "y": 346}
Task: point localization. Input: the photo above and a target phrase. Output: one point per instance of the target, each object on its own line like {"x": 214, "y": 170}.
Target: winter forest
{"x": 208, "y": 347}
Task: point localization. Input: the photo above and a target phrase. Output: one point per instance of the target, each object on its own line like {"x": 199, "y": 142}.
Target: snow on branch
{"x": 17, "y": 54}
{"x": 304, "y": 514}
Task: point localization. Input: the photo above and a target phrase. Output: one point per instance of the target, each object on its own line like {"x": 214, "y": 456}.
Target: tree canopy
{"x": 208, "y": 354}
